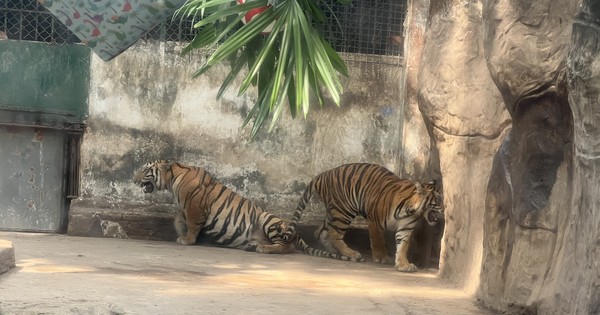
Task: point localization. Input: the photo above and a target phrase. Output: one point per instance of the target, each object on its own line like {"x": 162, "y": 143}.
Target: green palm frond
{"x": 292, "y": 62}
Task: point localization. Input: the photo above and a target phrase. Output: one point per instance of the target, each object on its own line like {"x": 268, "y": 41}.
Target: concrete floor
{"x": 57, "y": 274}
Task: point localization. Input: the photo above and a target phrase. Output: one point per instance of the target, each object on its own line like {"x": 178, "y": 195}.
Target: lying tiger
{"x": 385, "y": 200}
{"x": 225, "y": 217}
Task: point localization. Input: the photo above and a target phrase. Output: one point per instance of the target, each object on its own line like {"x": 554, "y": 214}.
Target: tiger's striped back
{"x": 365, "y": 189}
{"x": 233, "y": 219}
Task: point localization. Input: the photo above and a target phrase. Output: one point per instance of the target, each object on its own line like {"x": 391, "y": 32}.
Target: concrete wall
{"x": 144, "y": 105}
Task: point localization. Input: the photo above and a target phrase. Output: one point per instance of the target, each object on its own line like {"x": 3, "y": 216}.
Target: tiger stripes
{"x": 385, "y": 200}
{"x": 219, "y": 214}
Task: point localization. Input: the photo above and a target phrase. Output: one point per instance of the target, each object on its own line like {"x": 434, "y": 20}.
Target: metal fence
{"x": 370, "y": 27}
{"x": 29, "y": 20}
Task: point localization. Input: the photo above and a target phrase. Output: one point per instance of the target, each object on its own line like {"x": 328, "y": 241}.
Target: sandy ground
{"x": 57, "y": 274}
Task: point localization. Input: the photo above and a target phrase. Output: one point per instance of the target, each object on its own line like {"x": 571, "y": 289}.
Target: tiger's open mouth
{"x": 433, "y": 217}
{"x": 147, "y": 187}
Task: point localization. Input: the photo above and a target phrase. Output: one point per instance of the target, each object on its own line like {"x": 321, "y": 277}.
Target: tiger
{"x": 223, "y": 216}
{"x": 386, "y": 201}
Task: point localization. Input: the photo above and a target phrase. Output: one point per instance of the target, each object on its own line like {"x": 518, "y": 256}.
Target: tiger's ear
{"x": 431, "y": 186}
{"x": 164, "y": 165}
{"x": 418, "y": 187}
{"x": 169, "y": 162}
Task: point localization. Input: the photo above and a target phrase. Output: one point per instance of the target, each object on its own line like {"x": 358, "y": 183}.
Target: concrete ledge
{"x": 136, "y": 223}
{"x": 7, "y": 256}
{"x": 156, "y": 223}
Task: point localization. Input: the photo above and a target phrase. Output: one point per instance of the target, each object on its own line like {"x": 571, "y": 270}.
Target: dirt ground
{"x": 58, "y": 274}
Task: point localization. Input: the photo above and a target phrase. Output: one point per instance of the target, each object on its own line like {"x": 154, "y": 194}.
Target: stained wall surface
{"x": 144, "y": 105}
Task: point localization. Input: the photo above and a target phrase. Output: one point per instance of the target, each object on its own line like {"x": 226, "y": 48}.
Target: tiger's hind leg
{"x": 336, "y": 229}
{"x": 335, "y": 237}
{"x": 321, "y": 236}
{"x": 337, "y": 241}
{"x": 377, "y": 238}
{"x": 180, "y": 225}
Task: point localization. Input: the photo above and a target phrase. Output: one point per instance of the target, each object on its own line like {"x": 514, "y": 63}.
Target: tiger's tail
{"x": 307, "y": 249}
{"x": 291, "y": 230}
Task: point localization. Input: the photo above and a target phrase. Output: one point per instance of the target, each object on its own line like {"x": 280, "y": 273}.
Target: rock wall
{"x": 466, "y": 119}
{"x": 576, "y": 272}
{"x": 526, "y": 49}
{"x": 144, "y": 105}
{"x": 417, "y": 155}
{"x": 509, "y": 93}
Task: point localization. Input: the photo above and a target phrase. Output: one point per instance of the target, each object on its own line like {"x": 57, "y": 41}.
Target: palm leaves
{"x": 292, "y": 62}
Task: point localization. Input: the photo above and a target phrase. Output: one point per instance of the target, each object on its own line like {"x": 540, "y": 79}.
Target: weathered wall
{"x": 144, "y": 105}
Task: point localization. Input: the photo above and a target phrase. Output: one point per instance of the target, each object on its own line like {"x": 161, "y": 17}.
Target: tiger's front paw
{"x": 352, "y": 254}
{"x": 252, "y": 247}
{"x": 185, "y": 241}
{"x": 382, "y": 258}
{"x": 408, "y": 267}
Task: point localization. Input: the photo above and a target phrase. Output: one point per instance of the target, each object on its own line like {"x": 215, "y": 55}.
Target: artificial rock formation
{"x": 466, "y": 119}
{"x": 526, "y": 48}
{"x": 509, "y": 93}
{"x": 580, "y": 279}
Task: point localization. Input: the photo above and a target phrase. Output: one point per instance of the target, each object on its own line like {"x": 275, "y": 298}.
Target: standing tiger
{"x": 377, "y": 194}
{"x": 225, "y": 217}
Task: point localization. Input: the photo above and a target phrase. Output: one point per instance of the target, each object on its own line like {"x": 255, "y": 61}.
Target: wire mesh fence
{"x": 29, "y": 20}
{"x": 372, "y": 27}
{"x": 368, "y": 27}
{"x": 173, "y": 29}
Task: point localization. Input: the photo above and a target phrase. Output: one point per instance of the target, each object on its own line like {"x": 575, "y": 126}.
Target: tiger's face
{"x": 433, "y": 209}
{"x": 279, "y": 233}
{"x": 150, "y": 176}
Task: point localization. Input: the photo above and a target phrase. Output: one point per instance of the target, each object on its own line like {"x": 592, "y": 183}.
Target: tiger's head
{"x": 433, "y": 211}
{"x": 151, "y": 177}
{"x": 279, "y": 233}
{"x": 424, "y": 201}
